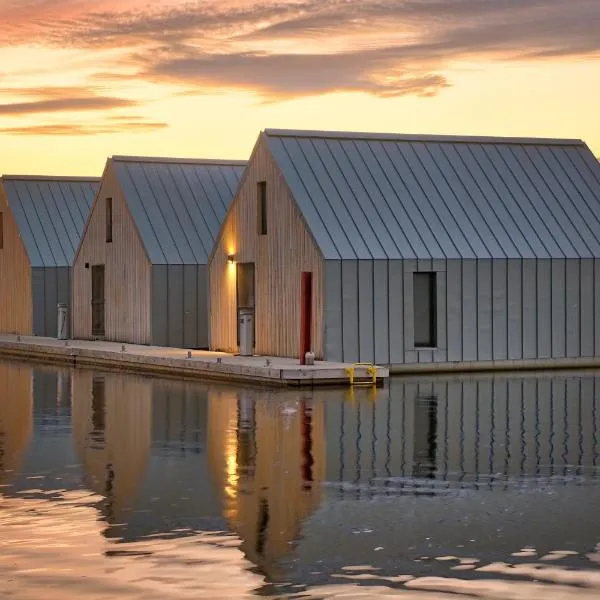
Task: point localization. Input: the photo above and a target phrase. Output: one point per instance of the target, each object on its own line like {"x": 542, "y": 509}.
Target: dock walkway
{"x": 182, "y": 363}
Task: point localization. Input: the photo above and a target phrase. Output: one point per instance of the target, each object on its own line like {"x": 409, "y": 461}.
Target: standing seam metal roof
{"x": 178, "y": 205}
{"x": 370, "y": 196}
{"x": 50, "y": 213}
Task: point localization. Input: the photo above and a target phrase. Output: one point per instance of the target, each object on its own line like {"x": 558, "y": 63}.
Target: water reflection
{"x": 475, "y": 432}
{"x": 267, "y": 453}
{"x": 52, "y": 402}
{"x": 112, "y": 430}
{"x": 477, "y": 486}
{"x": 15, "y": 418}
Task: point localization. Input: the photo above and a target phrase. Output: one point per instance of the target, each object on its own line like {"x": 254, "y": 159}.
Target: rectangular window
{"x": 1, "y": 231}
{"x": 425, "y": 310}
{"x": 262, "y": 207}
{"x": 109, "y": 220}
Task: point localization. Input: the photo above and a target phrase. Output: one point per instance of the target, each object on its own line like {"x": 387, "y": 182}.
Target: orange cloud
{"x": 284, "y": 49}
{"x": 78, "y": 130}
{"x": 59, "y": 99}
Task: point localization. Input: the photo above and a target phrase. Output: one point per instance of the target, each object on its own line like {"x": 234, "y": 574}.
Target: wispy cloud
{"x": 282, "y": 49}
{"x": 70, "y": 129}
{"x": 59, "y": 99}
{"x": 64, "y": 105}
{"x": 279, "y": 75}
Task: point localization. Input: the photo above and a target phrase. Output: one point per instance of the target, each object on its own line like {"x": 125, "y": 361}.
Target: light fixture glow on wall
{"x": 230, "y": 259}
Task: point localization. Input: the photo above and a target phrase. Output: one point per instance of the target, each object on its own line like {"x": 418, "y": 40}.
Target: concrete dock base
{"x": 185, "y": 364}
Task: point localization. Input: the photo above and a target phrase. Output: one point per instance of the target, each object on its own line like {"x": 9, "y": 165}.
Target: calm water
{"x": 117, "y": 486}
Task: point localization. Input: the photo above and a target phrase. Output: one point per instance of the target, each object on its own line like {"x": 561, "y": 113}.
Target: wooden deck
{"x": 182, "y": 363}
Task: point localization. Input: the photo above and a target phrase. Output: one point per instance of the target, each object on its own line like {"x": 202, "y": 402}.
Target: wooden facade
{"x": 127, "y": 271}
{"x": 16, "y": 315}
{"x": 279, "y": 257}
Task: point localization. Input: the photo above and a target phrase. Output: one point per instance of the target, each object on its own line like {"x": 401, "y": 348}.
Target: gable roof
{"x": 178, "y": 205}
{"x": 384, "y": 196}
{"x": 50, "y": 213}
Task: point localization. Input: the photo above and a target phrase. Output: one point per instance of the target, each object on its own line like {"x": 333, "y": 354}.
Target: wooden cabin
{"x": 140, "y": 270}
{"x": 41, "y": 222}
{"x": 419, "y": 249}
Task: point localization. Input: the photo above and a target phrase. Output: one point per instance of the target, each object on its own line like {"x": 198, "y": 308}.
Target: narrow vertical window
{"x": 109, "y": 220}
{"x": 425, "y": 310}
{"x": 262, "y": 207}
{"x": 1, "y": 231}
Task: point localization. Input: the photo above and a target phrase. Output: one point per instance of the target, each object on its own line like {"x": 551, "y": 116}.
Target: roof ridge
{"x": 422, "y": 137}
{"x": 194, "y": 161}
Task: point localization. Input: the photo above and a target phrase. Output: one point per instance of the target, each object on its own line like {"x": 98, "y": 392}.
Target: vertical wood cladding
{"x": 280, "y": 256}
{"x": 128, "y": 271}
{"x": 16, "y": 313}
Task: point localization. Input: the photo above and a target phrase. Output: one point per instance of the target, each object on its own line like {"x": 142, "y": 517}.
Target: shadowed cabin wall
{"x": 15, "y": 278}
{"x": 280, "y": 256}
{"x": 487, "y": 310}
{"x": 127, "y": 272}
{"x": 50, "y": 285}
{"x": 179, "y": 306}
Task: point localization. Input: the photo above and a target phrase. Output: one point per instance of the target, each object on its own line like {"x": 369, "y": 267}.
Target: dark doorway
{"x": 98, "y": 301}
{"x": 245, "y": 285}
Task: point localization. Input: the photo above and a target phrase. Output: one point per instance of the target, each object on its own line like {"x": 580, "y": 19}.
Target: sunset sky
{"x": 82, "y": 80}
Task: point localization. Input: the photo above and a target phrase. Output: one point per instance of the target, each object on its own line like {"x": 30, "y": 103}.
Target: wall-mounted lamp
{"x": 230, "y": 259}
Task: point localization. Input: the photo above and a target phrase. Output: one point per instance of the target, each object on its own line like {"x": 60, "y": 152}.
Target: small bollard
{"x": 219, "y": 361}
{"x": 309, "y": 358}
{"x": 123, "y": 348}
{"x": 189, "y": 354}
{"x": 268, "y": 362}
{"x": 18, "y": 338}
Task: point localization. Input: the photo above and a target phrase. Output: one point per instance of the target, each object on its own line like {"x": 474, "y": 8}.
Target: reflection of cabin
{"x": 267, "y": 454}
{"x": 52, "y": 401}
{"x": 173, "y": 487}
{"x": 15, "y": 417}
{"x": 472, "y": 429}
{"x": 177, "y": 487}
{"x": 179, "y": 417}
{"x": 140, "y": 272}
{"x": 41, "y": 222}
{"x": 112, "y": 427}
{"x": 489, "y": 453}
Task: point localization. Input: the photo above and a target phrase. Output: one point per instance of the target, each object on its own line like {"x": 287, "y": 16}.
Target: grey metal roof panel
{"x": 50, "y": 214}
{"x": 178, "y": 205}
{"x": 395, "y": 196}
